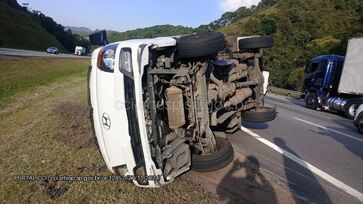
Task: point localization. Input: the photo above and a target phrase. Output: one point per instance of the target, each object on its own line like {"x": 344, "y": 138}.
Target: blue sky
{"x": 121, "y": 15}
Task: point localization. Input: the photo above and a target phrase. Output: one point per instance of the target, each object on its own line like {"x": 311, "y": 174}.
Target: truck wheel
{"x": 200, "y": 45}
{"x": 217, "y": 160}
{"x": 256, "y": 43}
{"x": 360, "y": 125}
{"x": 311, "y": 101}
{"x": 351, "y": 107}
{"x": 261, "y": 115}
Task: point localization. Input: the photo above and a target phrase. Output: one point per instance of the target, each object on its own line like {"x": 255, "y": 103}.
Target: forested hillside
{"x": 19, "y": 30}
{"x": 27, "y": 29}
{"x": 302, "y": 29}
{"x": 150, "y": 32}
{"x": 81, "y": 31}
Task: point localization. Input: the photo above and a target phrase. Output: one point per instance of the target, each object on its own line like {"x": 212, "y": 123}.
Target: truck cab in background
{"x": 322, "y": 75}
{"x": 335, "y": 82}
{"x": 79, "y": 50}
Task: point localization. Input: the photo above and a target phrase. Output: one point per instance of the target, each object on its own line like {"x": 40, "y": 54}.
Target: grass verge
{"x": 18, "y": 74}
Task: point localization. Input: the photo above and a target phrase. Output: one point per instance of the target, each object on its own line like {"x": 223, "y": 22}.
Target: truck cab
{"x": 322, "y": 75}
{"x": 79, "y": 50}
{"x": 335, "y": 82}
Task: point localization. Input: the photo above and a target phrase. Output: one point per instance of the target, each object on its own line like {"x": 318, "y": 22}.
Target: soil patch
{"x": 76, "y": 126}
{"x": 54, "y": 188}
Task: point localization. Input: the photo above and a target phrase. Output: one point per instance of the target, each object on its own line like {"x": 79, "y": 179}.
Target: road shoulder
{"x": 243, "y": 181}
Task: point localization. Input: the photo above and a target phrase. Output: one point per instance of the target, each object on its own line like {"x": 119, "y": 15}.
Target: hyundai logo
{"x": 106, "y": 121}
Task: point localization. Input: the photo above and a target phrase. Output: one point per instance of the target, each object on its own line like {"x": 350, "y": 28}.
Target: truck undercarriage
{"x": 191, "y": 93}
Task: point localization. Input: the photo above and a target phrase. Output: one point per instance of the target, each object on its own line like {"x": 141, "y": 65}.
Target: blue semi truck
{"x": 335, "y": 82}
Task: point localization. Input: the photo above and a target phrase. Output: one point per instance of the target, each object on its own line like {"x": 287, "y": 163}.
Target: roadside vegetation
{"x": 46, "y": 131}
{"x": 19, "y": 74}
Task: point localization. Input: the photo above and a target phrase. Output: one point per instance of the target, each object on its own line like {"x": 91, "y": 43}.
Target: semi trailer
{"x": 335, "y": 82}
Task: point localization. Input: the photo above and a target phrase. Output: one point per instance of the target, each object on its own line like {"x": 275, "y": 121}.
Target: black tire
{"x": 311, "y": 101}
{"x": 200, "y": 45}
{"x": 360, "y": 124}
{"x": 261, "y": 115}
{"x": 256, "y": 43}
{"x": 215, "y": 161}
{"x": 351, "y": 104}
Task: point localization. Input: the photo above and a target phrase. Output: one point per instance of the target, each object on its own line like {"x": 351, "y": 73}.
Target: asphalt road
{"x": 30, "y": 53}
{"x": 325, "y": 140}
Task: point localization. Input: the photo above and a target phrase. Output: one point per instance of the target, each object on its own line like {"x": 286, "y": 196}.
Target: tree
{"x": 324, "y": 45}
{"x": 268, "y": 25}
{"x": 268, "y": 2}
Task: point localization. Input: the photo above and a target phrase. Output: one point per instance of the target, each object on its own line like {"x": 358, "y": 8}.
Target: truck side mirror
{"x": 98, "y": 38}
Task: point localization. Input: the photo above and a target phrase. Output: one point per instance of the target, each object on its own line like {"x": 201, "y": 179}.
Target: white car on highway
{"x": 156, "y": 104}
{"x": 358, "y": 120}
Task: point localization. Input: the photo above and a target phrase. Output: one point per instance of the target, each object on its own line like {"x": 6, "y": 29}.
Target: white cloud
{"x": 232, "y": 5}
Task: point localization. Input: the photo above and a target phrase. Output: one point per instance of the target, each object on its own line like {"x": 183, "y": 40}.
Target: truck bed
{"x": 351, "y": 81}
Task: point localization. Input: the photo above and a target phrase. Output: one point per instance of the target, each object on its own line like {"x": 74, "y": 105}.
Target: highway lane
{"x": 325, "y": 140}
{"x": 31, "y": 53}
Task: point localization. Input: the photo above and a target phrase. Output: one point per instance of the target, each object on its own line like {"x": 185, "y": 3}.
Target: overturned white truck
{"x": 156, "y": 104}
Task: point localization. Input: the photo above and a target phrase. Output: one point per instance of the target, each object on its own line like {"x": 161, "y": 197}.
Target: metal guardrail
{"x": 285, "y": 92}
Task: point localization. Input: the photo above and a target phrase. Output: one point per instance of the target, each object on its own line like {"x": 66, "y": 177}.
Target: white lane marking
{"x": 351, "y": 191}
{"x": 331, "y": 130}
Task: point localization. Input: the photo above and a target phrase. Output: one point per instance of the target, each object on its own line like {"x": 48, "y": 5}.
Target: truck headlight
{"x": 109, "y": 59}
{"x": 106, "y": 58}
{"x": 126, "y": 61}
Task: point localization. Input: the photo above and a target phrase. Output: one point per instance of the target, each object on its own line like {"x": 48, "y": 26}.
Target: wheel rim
{"x": 352, "y": 110}
{"x": 311, "y": 101}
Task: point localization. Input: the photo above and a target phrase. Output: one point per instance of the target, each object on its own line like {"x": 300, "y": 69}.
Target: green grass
{"x": 20, "y": 30}
{"x": 19, "y": 74}
{"x": 50, "y": 134}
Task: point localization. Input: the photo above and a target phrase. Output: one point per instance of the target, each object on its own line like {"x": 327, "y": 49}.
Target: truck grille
{"x": 134, "y": 131}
